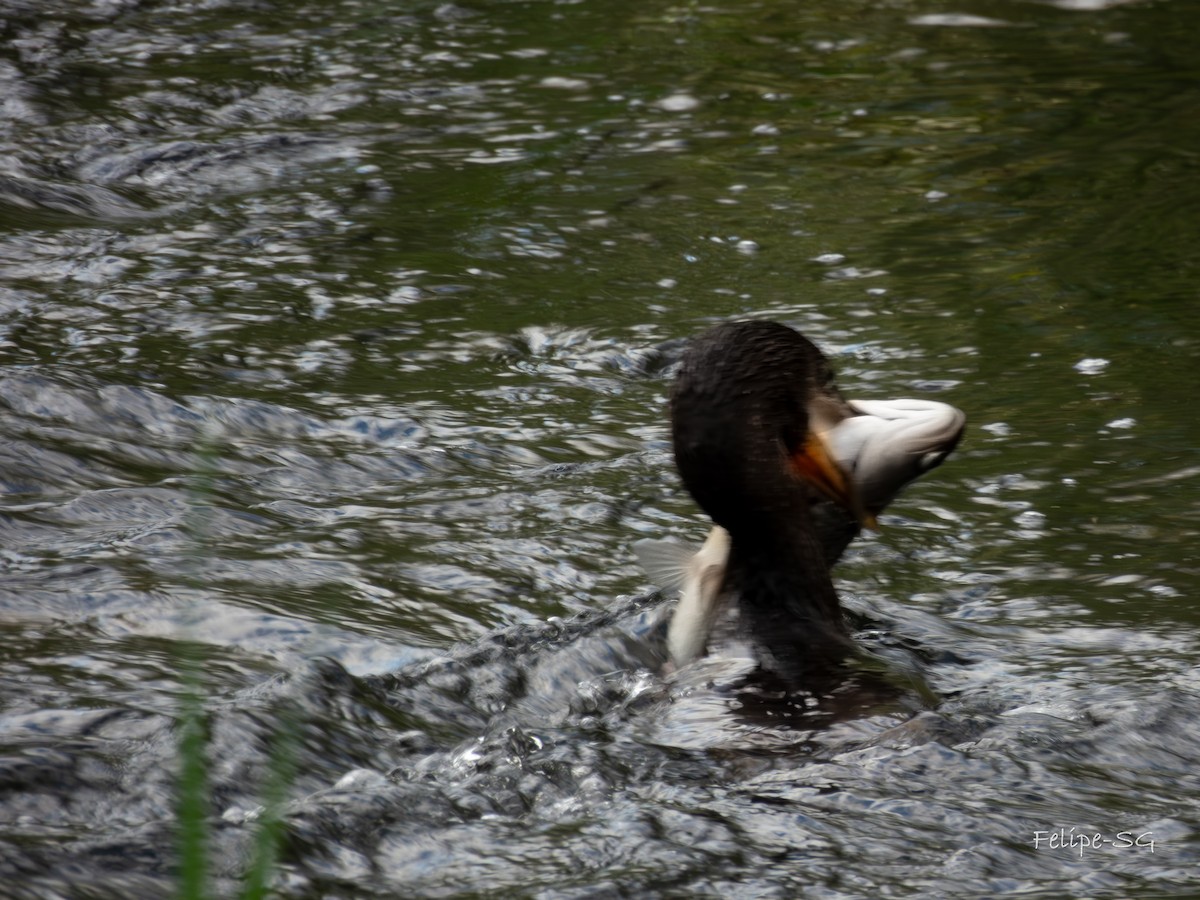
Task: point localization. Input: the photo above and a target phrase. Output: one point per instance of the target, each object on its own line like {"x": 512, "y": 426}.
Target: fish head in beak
{"x": 887, "y": 444}
{"x": 814, "y": 462}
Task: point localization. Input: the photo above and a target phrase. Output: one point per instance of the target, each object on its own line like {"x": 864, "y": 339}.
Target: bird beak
{"x": 815, "y": 464}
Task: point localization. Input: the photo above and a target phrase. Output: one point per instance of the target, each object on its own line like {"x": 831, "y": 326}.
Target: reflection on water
{"x": 334, "y": 341}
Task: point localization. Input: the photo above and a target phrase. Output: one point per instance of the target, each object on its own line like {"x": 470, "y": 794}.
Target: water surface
{"x": 334, "y": 344}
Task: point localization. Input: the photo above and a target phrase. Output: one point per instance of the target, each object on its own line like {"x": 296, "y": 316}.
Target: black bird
{"x": 789, "y": 471}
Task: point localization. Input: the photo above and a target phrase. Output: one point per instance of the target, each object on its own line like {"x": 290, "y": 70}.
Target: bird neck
{"x": 786, "y": 597}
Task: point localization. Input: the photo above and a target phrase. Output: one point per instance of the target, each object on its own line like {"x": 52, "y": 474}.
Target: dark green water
{"x": 342, "y": 331}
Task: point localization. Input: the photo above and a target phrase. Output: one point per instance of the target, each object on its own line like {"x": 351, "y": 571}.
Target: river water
{"x": 334, "y": 344}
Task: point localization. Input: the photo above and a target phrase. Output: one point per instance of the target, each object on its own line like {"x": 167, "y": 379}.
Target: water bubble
{"x": 1030, "y": 519}
{"x": 678, "y": 103}
{"x": 1091, "y": 366}
{"x": 562, "y": 83}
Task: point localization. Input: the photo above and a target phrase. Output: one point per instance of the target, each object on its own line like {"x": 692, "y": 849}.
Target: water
{"x": 334, "y": 340}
